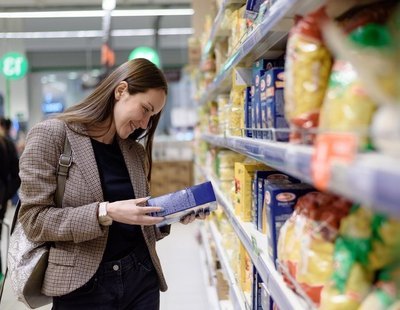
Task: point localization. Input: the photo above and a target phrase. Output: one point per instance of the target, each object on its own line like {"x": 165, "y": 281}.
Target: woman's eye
{"x": 146, "y": 110}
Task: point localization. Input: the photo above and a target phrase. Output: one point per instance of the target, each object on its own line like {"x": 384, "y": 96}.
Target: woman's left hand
{"x": 199, "y": 214}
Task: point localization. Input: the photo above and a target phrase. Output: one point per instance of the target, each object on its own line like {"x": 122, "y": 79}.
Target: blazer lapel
{"x": 135, "y": 167}
{"x": 83, "y": 156}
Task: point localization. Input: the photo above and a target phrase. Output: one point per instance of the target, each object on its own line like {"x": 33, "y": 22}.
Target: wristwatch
{"x": 104, "y": 218}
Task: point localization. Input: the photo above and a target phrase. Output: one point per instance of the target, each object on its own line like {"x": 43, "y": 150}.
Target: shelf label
{"x": 331, "y": 147}
{"x": 255, "y": 247}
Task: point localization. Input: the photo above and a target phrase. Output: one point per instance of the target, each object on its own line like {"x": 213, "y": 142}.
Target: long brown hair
{"x": 140, "y": 75}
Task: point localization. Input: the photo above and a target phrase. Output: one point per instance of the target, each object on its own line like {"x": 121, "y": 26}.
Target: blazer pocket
{"x": 61, "y": 257}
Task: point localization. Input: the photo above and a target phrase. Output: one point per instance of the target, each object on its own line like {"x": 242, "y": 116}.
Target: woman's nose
{"x": 144, "y": 122}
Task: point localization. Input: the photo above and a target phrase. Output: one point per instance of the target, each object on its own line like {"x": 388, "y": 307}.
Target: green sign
{"x": 145, "y": 52}
{"x": 14, "y": 66}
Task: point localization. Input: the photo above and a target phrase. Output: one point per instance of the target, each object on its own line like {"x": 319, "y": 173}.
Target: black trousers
{"x": 130, "y": 283}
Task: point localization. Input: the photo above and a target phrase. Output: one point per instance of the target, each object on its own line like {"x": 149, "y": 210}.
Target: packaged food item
{"x": 307, "y": 240}
{"x": 280, "y": 200}
{"x": 180, "y": 203}
{"x": 261, "y": 180}
{"x": 244, "y": 174}
{"x": 307, "y": 68}
{"x": 352, "y": 278}
{"x": 360, "y": 14}
{"x": 386, "y": 292}
{"x": 347, "y": 107}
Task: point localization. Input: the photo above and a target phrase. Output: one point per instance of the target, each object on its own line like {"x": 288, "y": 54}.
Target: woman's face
{"x": 134, "y": 111}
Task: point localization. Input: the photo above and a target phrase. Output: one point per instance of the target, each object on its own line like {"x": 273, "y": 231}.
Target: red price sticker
{"x": 328, "y": 148}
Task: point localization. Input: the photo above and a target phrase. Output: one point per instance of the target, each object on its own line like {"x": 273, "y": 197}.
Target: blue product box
{"x": 263, "y": 108}
{"x": 248, "y": 112}
{"x": 180, "y": 203}
{"x": 252, "y": 8}
{"x": 280, "y": 200}
{"x": 257, "y": 103}
{"x": 265, "y": 178}
{"x": 273, "y": 113}
{"x": 266, "y": 302}
{"x": 255, "y": 292}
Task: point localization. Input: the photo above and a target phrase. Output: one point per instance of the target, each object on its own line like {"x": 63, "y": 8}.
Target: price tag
{"x": 256, "y": 249}
{"x": 331, "y": 147}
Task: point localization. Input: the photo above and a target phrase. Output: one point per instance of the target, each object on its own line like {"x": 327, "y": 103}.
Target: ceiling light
{"x": 97, "y": 13}
{"x": 108, "y": 5}
{"x": 93, "y": 33}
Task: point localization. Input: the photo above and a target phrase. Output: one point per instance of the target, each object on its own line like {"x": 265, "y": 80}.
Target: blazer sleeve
{"x": 165, "y": 230}
{"x": 40, "y": 218}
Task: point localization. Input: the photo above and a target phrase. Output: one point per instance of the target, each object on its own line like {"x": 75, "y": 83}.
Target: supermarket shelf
{"x": 255, "y": 245}
{"x": 261, "y": 40}
{"x": 371, "y": 179}
{"x": 236, "y": 292}
{"x": 216, "y": 29}
{"x": 209, "y": 272}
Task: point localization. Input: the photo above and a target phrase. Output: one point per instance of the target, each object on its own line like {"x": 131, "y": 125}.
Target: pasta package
{"x": 306, "y": 243}
{"x": 307, "y": 68}
{"x": 347, "y": 107}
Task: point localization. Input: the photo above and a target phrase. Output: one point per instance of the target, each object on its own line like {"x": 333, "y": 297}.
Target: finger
{"x": 186, "y": 219}
{"x": 151, "y": 220}
{"x": 146, "y": 210}
{"x": 201, "y": 215}
{"x": 142, "y": 200}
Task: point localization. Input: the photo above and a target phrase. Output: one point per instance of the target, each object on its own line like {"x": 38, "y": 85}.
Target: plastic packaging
{"x": 307, "y": 68}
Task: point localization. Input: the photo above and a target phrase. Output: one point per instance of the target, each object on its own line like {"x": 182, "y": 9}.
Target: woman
{"x": 103, "y": 254}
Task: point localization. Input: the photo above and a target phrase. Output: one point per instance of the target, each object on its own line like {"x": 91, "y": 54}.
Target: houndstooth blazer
{"x": 78, "y": 241}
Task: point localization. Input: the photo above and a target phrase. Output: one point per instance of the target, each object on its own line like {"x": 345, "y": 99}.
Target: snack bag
{"x": 307, "y": 68}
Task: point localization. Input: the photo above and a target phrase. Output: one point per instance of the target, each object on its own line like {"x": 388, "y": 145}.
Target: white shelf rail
{"x": 371, "y": 179}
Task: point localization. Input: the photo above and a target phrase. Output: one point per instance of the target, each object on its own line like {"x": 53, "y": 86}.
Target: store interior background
{"x": 59, "y": 68}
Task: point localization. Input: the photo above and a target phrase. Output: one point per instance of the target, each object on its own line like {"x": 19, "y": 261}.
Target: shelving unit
{"x": 210, "y": 277}
{"x": 236, "y": 293}
{"x": 371, "y": 179}
{"x": 256, "y": 245}
{"x": 260, "y": 42}
{"x": 216, "y": 31}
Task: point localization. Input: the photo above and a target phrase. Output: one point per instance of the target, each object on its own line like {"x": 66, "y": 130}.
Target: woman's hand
{"x": 201, "y": 214}
{"x": 133, "y": 212}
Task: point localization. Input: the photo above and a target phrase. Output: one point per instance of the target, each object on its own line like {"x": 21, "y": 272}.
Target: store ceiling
{"x": 123, "y": 43}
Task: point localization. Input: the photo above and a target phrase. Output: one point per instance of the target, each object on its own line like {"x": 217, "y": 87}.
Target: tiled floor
{"x": 181, "y": 260}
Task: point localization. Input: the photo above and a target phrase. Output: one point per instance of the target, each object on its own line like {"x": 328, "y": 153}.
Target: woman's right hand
{"x": 133, "y": 212}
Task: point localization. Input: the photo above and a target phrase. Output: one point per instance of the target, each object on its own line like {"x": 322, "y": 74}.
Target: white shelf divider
{"x": 371, "y": 179}
{"x": 249, "y": 236}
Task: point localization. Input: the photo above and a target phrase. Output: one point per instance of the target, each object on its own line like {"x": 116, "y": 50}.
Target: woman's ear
{"x": 119, "y": 90}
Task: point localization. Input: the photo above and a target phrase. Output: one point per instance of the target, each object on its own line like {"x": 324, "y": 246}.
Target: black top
{"x": 116, "y": 185}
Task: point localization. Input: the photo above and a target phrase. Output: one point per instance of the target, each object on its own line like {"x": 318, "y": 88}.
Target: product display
{"x": 178, "y": 204}
{"x": 328, "y": 101}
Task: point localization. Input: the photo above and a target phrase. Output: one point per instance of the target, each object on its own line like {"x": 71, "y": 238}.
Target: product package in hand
{"x": 197, "y": 198}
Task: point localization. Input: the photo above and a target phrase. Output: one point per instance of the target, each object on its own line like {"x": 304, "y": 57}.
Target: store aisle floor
{"x": 181, "y": 261}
